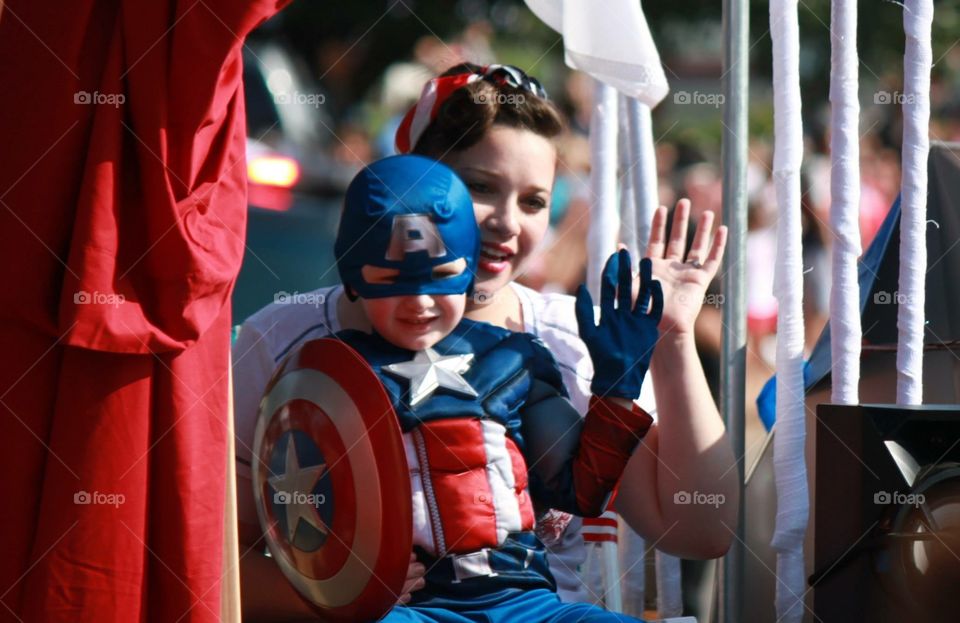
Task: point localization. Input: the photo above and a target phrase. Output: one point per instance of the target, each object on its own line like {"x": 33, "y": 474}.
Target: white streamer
{"x": 669, "y": 602}
{"x": 628, "y": 209}
{"x": 604, "y": 222}
{"x": 917, "y": 60}
{"x": 632, "y": 554}
{"x": 789, "y": 461}
{"x": 845, "y": 329}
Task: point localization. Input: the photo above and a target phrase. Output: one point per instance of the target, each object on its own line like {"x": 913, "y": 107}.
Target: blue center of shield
{"x": 300, "y": 491}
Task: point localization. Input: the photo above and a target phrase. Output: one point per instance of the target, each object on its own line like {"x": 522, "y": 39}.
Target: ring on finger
{"x": 694, "y": 262}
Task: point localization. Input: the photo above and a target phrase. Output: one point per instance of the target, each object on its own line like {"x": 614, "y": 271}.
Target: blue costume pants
{"x": 530, "y": 606}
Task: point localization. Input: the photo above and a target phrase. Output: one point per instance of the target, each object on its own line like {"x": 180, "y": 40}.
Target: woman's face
{"x": 510, "y": 176}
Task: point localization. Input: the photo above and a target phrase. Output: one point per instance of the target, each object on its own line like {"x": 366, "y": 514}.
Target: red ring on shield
{"x": 326, "y": 392}
{"x": 306, "y": 417}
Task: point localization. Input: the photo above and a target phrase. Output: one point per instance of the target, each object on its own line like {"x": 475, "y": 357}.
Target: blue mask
{"x": 407, "y": 228}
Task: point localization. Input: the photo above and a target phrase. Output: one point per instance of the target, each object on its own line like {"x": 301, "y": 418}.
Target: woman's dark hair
{"x": 470, "y": 111}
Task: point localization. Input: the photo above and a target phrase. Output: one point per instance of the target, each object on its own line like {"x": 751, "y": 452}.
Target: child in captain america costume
{"x": 490, "y": 439}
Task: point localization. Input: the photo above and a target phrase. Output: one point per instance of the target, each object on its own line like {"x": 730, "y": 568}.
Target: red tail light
{"x": 278, "y": 171}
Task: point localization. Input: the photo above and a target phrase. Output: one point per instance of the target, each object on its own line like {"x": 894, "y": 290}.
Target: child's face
{"x": 415, "y": 322}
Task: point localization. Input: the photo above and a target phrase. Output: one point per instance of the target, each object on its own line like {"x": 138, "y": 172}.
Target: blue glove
{"x": 622, "y": 344}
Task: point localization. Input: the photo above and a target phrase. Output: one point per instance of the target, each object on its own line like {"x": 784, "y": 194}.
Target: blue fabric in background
{"x": 818, "y": 366}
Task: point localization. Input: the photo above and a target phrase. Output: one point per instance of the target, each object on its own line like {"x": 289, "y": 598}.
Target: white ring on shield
{"x": 314, "y": 386}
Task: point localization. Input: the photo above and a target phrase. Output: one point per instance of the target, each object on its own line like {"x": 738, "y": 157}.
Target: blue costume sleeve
{"x": 574, "y": 463}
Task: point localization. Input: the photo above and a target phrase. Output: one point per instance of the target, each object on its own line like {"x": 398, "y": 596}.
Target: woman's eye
{"x": 479, "y": 187}
{"x": 536, "y": 203}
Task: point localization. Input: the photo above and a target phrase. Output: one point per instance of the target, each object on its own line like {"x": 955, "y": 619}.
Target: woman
{"x": 496, "y": 129}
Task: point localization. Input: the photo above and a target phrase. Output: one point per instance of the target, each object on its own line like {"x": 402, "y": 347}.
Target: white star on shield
{"x": 293, "y": 488}
{"x": 429, "y": 370}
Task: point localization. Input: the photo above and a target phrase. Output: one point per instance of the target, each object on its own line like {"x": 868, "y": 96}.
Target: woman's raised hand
{"x": 622, "y": 343}
{"x": 684, "y": 273}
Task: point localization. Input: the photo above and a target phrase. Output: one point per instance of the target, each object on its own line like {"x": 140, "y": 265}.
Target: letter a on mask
{"x": 414, "y": 232}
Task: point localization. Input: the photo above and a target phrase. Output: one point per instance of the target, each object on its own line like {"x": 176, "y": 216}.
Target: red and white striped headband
{"x": 436, "y": 92}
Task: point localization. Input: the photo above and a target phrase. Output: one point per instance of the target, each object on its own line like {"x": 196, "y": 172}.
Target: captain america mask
{"x": 407, "y": 228}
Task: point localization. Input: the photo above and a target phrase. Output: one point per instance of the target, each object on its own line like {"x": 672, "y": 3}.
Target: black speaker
{"x": 887, "y": 514}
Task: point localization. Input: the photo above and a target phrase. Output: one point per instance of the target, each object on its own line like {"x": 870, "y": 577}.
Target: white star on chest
{"x": 429, "y": 370}
{"x": 294, "y": 487}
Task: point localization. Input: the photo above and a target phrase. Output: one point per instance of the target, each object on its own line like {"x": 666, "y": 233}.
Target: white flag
{"x": 610, "y": 40}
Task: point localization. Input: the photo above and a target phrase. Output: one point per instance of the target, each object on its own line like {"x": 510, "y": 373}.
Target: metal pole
{"x": 736, "y": 30}
{"x": 643, "y": 154}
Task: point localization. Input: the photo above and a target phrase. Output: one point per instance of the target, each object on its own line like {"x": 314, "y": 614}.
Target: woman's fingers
{"x": 712, "y": 265}
{"x": 701, "y": 239}
{"x": 414, "y": 581}
{"x": 416, "y": 569}
{"x": 658, "y": 233}
{"x": 678, "y": 231}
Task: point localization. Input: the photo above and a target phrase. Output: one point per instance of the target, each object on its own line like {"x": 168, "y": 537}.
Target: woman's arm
{"x": 680, "y": 487}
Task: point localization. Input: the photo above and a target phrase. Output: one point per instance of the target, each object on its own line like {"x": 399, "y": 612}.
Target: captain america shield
{"x": 331, "y": 482}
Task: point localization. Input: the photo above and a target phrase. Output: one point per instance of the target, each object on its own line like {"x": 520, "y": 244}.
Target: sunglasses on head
{"x": 515, "y": 77}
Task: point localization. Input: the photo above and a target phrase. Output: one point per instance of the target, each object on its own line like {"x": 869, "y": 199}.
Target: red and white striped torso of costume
{"x": 469, "y": 484}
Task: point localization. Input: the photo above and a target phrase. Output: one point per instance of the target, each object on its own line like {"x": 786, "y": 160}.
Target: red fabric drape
{"x": 122, "y": 216}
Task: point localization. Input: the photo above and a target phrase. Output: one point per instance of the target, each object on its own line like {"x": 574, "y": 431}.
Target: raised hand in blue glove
{"x": 621, "y": 345}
